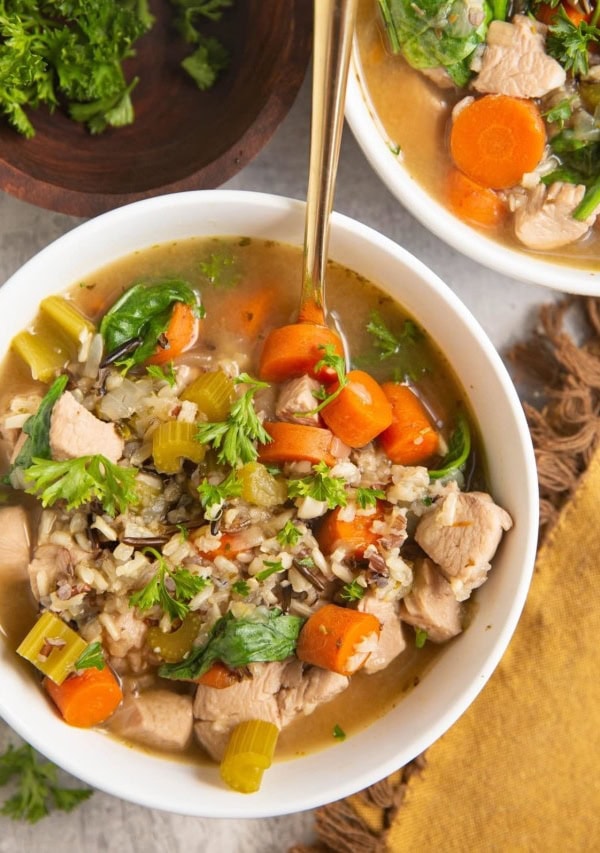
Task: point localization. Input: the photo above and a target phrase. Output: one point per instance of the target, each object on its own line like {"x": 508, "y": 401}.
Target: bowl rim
{"x": 78, "y": 751}
{"x": 378, "y": 150}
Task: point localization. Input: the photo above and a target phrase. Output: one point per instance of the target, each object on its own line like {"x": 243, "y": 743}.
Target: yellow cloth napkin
{"x": 520, "y": 771}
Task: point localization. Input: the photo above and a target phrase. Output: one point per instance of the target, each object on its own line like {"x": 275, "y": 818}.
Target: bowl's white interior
{"x": 454, "y": 681}
{"x": 376, "y": 146}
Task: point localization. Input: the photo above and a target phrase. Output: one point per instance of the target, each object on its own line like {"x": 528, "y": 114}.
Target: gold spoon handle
{"x": 332, "y": 40}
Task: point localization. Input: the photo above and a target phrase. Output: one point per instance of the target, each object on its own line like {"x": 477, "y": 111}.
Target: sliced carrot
{"x": 496, "y": 139}
{"x": 180, "y": 334}
{"x": 331, "y": 638}
{"x": 473, "y": 203}
{"x": 411, "y": 439}
{"x": 355, "y": 535}
{"x": 360, "y": 411}
{"x": 219, "y": 676}
{"x": 292, "y": 442}
{"x": 295, "y": 350}
{"x": 88, "y": 698}
{"x": 249, "y": 314}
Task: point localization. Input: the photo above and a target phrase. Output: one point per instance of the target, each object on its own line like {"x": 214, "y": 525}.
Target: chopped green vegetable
{"x": 289, "y": 534}
{"x": 233, "y": 438}
{"x": 420, "y": 637}
{"x": 560, "y": 113}
{"x": 459, "y": 448}
{"x": 272, "y": 567}
{"x": 79, "y": 481}
{"x": 432, "y": 33}
{"x": 386, "y": 341}
{"x": 338, "y": 732}
{"x": 37, "y": 789}
{"x": 366, "y": 497}
{"x": 320, "y": 486}
{"x": 569, "y": 44}
{"x": 37, "y": 427}
{"x": 240, "y": 587}
{"x": 206, "y": 62}
{"x": 353, "y": 591}
{"x": 143, "y": 313}
{"x": 220, "y": 269}
{"x": 184, "y": 584}
{"x": 215, "y": 495}
{"x": 338, "y": 364}
{"x": 91, "y": 657}
{"x": 268, "y": 635}
{"x": 163, "y": 374}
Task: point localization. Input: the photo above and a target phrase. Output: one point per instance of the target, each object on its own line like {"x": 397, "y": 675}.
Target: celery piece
{"x": 45, "y": 357}
{"x": 248, "y": 754}
{"x": 174, "y": 441}
{"x": 52, "y": 647}
{"x": 71, "y": 322}
{"x": 261, "y": 488}
{"x": 174, "y": 646}
{"x": 213, "y": 393}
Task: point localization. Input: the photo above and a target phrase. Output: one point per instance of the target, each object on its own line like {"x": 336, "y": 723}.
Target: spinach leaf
{"x": 37, "y": 427}
{"x": 459, "y": 448}
{"x": 432, "y": 33}
{"x": 270, "y": 635}
{"x": 580, "y": 164}
{"x": 143, "y": 312}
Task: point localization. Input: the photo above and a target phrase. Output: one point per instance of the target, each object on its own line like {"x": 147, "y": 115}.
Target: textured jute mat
{"x": 520, "y": 770}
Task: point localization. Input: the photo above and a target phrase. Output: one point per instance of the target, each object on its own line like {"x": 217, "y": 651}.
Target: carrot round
{"x": 295, "y": 350}
{"x": 180, "y": 334}
{"x": 360, "y": 411}
{"x": 332, "y": 636}
{"x": 218, "y": 676}
{"x": 292, "y": 442}
{"x": 86, "y": 699}
{"x": 410, "y": 439}
{"x": 355, "y": 535}
{"x": 473, "y": 203}
{"x": 496, "y": 139}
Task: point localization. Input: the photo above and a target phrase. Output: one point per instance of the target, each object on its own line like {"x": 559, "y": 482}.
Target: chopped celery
{"x": 174, "y": 441}
{"x": 173, "y": 647}
{"x": 213, "y": 393}
{"x": 52, "y": 647}
{"x": 248, "y": 754}
{"x": 46, "y": 357}
{"x": 261, "y": 488}
{"x": 71, "y": 322}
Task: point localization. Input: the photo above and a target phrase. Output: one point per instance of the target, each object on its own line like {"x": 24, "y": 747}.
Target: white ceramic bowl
{"x": 377, "y": 148}
{"x": 464, "y": 667}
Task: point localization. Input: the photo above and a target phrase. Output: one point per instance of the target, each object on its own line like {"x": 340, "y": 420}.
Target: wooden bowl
{"x": 182, "y": 138}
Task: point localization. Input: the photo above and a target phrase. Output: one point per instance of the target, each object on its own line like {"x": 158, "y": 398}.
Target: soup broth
{"x": 247, "y": 288}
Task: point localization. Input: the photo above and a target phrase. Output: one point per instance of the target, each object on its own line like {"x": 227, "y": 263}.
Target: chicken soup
{"x": 231, "y": 532}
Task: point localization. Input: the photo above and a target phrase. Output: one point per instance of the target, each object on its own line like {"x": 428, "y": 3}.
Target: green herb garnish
{"x": 185, "y": 586}
{"x": 420, "y": 637}
{"x": 81, "y": 480}
{"x": 320, "y": 486}
{"x": 289, "y": 534}
{"x": 569, "y": 43}
{"x": 37, "y": 788}
{"x": 338, "y": 732}
{"x": 272, "y": 567}
{"x": 241, "y": 588}
{"x": 37, "y": 427}
{"x": 163, "y": 374}
{"x": 459, "y": 448}
{"x": 212, "y": 494}
{"x": 352, "y": 591}
{"x": 366, "y": 497}
{"x": 91, "y": 658}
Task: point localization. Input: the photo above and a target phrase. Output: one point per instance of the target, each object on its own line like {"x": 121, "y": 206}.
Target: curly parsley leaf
{"x": 385, "y": 341}
{"x": 184, "y": 586}
{"x": 367, "y": 497}
{"x": 272, "y": 567}
{"x": 337, "y": 363}
{"x": 81, "y": 480}
{"x": 289, "y": 534}
{"x": 234, "y": 438}
{"x": 91, "y": 658}
{"x": 352, "y": 591}
{"x": 37, "y": 789}
{"x": 569, "y": 44}
{"x": 266, "y": 635}
{"x": 320, "y": 486}
{"x": 241, "y": 587}
{"x": 216, "y": 494}
{"x": 163, "y": 374}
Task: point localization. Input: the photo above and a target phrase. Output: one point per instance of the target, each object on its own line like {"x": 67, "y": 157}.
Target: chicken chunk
{"x": 276, "y": 692}
{"x": 157, "y": 718}
{"x": 74, "y": 431}
{"x": 515, "y": 61}
{"x": 391, "y": 639}
{"x": 461, "y": 533}
{"x": 546, "y": 221}
{"x": 297, "y": 401}
{"x": 431, "y": 605}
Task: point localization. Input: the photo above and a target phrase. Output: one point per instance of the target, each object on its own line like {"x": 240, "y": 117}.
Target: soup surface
{"x": 417, "y": 103}
{"x": 240, "y": 523}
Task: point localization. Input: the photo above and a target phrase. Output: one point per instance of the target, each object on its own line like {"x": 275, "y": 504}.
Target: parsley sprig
{"x": 214, "y": 495}
{"x": 320, "y": 486}
{"x": 569, "y": 44}
{"x": 337, "y": 363}
{"x": 385, "y": 341}
{"x": 37, "y": 789}
{"x": 289, "y": 534}
{"x": 81, "y": 480}
{"x": 234, "y": 438}
{"x": 184, "y": 584}
{"x": 367, "y": 497}
{"x": 91, "y": 657}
